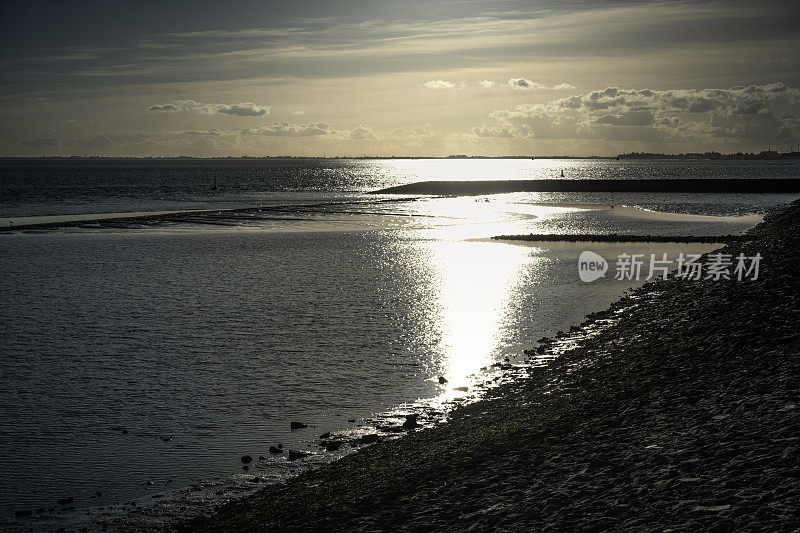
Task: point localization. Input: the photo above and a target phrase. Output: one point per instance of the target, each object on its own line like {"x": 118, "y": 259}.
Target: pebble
{"x": 369, "y": 439}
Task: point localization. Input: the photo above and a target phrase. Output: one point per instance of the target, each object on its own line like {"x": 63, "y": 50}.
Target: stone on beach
{"x": 298, "y": 425}
{"x": 369, "y": 439}
{"x": 331, "y": 445}
{"x": 246, "y": 459}
{"x": 411, "y": 421}
{"x": 296, "y": 454}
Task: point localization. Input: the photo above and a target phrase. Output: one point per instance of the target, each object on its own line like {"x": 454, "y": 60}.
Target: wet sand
{"x": 683, "y": 413}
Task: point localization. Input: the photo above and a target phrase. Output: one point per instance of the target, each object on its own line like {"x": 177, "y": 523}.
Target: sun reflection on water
{"x": 474, "y": 281}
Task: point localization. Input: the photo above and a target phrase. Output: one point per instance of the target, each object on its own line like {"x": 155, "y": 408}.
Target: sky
{"x": 414, "y": 78}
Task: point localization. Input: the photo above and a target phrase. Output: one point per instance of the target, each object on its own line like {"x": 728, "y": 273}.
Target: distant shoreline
{"x": 710, "y": 156}
{"x": 476, "y": 187}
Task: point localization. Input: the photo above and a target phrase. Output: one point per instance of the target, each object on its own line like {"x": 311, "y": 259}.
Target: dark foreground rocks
{"x": 685, "y": 415}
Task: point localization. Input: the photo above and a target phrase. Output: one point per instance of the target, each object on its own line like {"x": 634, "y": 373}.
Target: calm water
{"x": 42, "y": 188}
{"x": 334, "y": 308}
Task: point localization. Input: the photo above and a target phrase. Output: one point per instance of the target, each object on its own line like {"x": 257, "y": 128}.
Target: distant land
{"x": 763, "y": 155}
{"x": 684, "y": 185}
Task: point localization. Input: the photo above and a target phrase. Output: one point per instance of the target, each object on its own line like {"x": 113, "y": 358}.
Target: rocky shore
{"x": 682, "y": 414}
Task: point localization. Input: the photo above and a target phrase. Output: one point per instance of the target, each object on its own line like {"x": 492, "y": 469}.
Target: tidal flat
{"x": 683, "y": 412}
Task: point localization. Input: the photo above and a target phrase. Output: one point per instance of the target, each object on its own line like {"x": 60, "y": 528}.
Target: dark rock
{"x": 245, "y": 468}
{"x": 246, "y": 459}
{"x": 331, "y": 445}
{"x": 411, "y": 422}
{"x": 255, "y": 480}
{"x": 166, "y": 438}
{"x": 274, "y": 450}
{"x": 66, "y": 501}
{"x": 461, "y": 389}
{"x": 124, "y": 431}
{"x": 351, "y": 420}
{"x": 262, "y": 458}
{"x": 369, "y": 439}
{"x": 298, "y": 425}
{"x": 22, "y": 513}
{"x": 325, "y": 436}
{"x": 295, "y": 454}
{"x": 442, "y": 380}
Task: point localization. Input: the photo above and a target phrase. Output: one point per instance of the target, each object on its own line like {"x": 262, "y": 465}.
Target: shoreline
{"x": 617, "y": 237}
{"x": 40, "y": 222}
{"x": 682, "y": 185}
{"x": 682, "y": 413}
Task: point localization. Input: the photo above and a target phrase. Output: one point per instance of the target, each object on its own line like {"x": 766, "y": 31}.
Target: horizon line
{"x": 628, "y": 155}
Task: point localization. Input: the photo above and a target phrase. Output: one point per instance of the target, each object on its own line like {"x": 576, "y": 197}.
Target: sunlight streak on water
{"x": 474, "y": 281}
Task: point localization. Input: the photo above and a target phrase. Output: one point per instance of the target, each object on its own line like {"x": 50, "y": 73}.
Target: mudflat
{"x": 682, "y": 413}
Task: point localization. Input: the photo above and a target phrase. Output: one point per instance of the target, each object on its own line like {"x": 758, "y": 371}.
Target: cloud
{"x": 439, "y": 84}
{"x": 244, "y": 109}
{"x": 97, "y": 143}
{"x": 486, "y": 83}
{"x": 287, "y": 129}
{"x": 503, "y": 132}
{"x": 166, "y": 108}
{"x": 364, "y": 133}
{"x": 41, "y": 142}
{"x": 679, "y": 42}
{"x": 527, "y": 85}
{"x": 425, "y": 130}
{"x": 212, "y": 132}
{"x": 754, "y": 113}
{"x": 241, "y": 109}
{"x": 633, "y": 117}
{"x": 523, "y": 84}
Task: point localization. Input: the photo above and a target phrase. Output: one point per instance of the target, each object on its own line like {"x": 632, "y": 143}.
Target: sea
{"x": 142, "y": 358}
